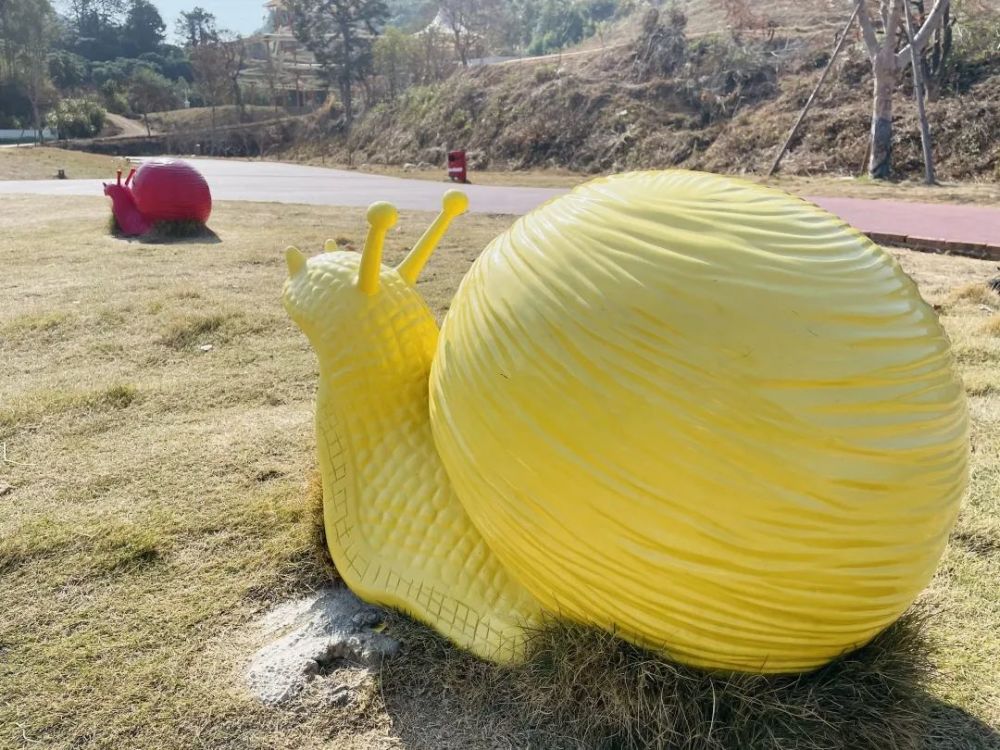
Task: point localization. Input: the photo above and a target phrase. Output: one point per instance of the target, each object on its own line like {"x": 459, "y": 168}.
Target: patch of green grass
{"x": 37, "y": 538}
{"x": 34, "y": 323}
{"x": 103, "y": 548}
{"x": 188, "y": 330}
{"x": 37, "y": 405}
{"x": 125, "y": 549}
{"x": 114, "y": 397}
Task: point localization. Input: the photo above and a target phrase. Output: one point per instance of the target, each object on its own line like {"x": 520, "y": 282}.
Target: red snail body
{"x": 162, "y": 190}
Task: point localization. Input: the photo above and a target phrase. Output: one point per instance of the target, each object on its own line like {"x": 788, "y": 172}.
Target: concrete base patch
{"x": 328, "y": 641}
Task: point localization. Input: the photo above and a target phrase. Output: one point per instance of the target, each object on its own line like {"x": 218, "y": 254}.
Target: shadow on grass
{"x": 169, "y": 233}
{"x": 586, "y": 689}
{"x": 582, "y": 688}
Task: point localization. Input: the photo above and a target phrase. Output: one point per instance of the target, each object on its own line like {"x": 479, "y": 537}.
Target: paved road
{"x": 931, "y": 224}
{"x": 264, "y": 181}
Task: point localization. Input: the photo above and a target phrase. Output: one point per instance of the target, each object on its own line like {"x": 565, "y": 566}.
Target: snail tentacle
{"x": 454, "y": 204}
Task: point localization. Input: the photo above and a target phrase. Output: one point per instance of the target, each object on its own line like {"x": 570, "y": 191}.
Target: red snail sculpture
{"x": 162, "y": 190}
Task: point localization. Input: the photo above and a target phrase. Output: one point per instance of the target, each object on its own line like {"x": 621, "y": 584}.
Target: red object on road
{"x": 458, "y": 170}
{"x": 163, "y": 190}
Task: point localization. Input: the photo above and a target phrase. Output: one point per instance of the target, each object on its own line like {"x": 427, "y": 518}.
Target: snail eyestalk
{"x": 455, "y": 204}
{"x": 296, "y": 261}
{"x": 381, "y": 218}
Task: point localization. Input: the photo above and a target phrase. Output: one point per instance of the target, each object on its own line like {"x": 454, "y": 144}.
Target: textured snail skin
{"x": 395, "y": 529}
{"x": 705, "y": 414}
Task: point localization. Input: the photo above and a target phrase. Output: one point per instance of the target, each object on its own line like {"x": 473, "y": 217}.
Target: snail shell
{"x": 705, "y": 414}
{"x": 171, "y": 190}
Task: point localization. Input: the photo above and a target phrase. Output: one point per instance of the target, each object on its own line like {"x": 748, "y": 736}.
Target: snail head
{"x": 337, "y": 292}
{"x": 118, "y": 188}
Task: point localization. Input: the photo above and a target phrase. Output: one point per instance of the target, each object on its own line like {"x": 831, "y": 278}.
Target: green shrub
{"x": 77, "y": 118}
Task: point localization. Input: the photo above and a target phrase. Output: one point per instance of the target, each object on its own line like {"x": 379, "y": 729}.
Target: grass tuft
{"x": 115, "y": 397}
{"x": 48, "y": 403}
{"x": 588, "y": 685}
{"x": 28, "y": 325}
{"x": 121, "y": 549}
{"x": 982, "y": 388}
{"x": 976, "y": 293}
{"x": 188, "y": 330}
{"x": 992, "y": 326}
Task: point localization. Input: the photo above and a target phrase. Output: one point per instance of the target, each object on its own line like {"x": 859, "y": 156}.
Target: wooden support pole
{"x": 918, "y": 93}
{"x": 812, "y": 97}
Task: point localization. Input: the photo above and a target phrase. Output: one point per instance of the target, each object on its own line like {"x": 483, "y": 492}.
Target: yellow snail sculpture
{"x": 698, "y": 412}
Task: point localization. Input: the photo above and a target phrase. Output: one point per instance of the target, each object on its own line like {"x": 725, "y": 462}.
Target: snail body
{"x": 695, "y": 411}
{"x": 162, "y": 190}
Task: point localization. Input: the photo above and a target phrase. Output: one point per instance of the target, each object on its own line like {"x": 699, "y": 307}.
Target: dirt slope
{"x": 699, "y": 101}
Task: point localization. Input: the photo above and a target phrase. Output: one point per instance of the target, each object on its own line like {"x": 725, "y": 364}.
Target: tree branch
{"x": 892, "y": 26}
{"x": 867, "y": 30}
{"x": 931, "y": 23}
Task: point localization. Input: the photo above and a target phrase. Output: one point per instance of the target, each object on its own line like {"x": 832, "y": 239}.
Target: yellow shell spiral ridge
{"x": 706, "y": 414}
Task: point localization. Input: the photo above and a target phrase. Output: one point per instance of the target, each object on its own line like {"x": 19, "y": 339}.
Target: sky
{"x": 243, "y": 16}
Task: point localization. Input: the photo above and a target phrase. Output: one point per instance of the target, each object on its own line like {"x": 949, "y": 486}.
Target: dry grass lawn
{"x": 198, "y": 118}
{"x": 43, "y": 163}
{"x": 156, "y": 454}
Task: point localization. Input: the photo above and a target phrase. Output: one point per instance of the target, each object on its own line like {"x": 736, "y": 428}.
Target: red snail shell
{"x": 163, "y": 190}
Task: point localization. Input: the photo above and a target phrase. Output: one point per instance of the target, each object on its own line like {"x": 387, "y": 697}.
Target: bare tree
{"x": 208, "y": 62}
{"x": 340, "y": 34}
{"x": 887, "y": 61}
{"x": 234, "y": 55}
{"x": 469, "y": 21}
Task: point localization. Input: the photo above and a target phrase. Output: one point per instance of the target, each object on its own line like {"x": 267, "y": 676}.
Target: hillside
{"x": 722, "y": 102}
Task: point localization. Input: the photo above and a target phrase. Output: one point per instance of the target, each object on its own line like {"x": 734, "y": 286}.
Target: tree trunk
{"x": 460, "y": 48}
{"x": 884, "y": 69}
{"x": 346, "y": 95}
{"x": 37, "y": 118}
{"x": 918, "y": 94}
{"x": 145, "y": 119}
{"x": 238, "y": 98}
{"x": 347, "y": 74}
